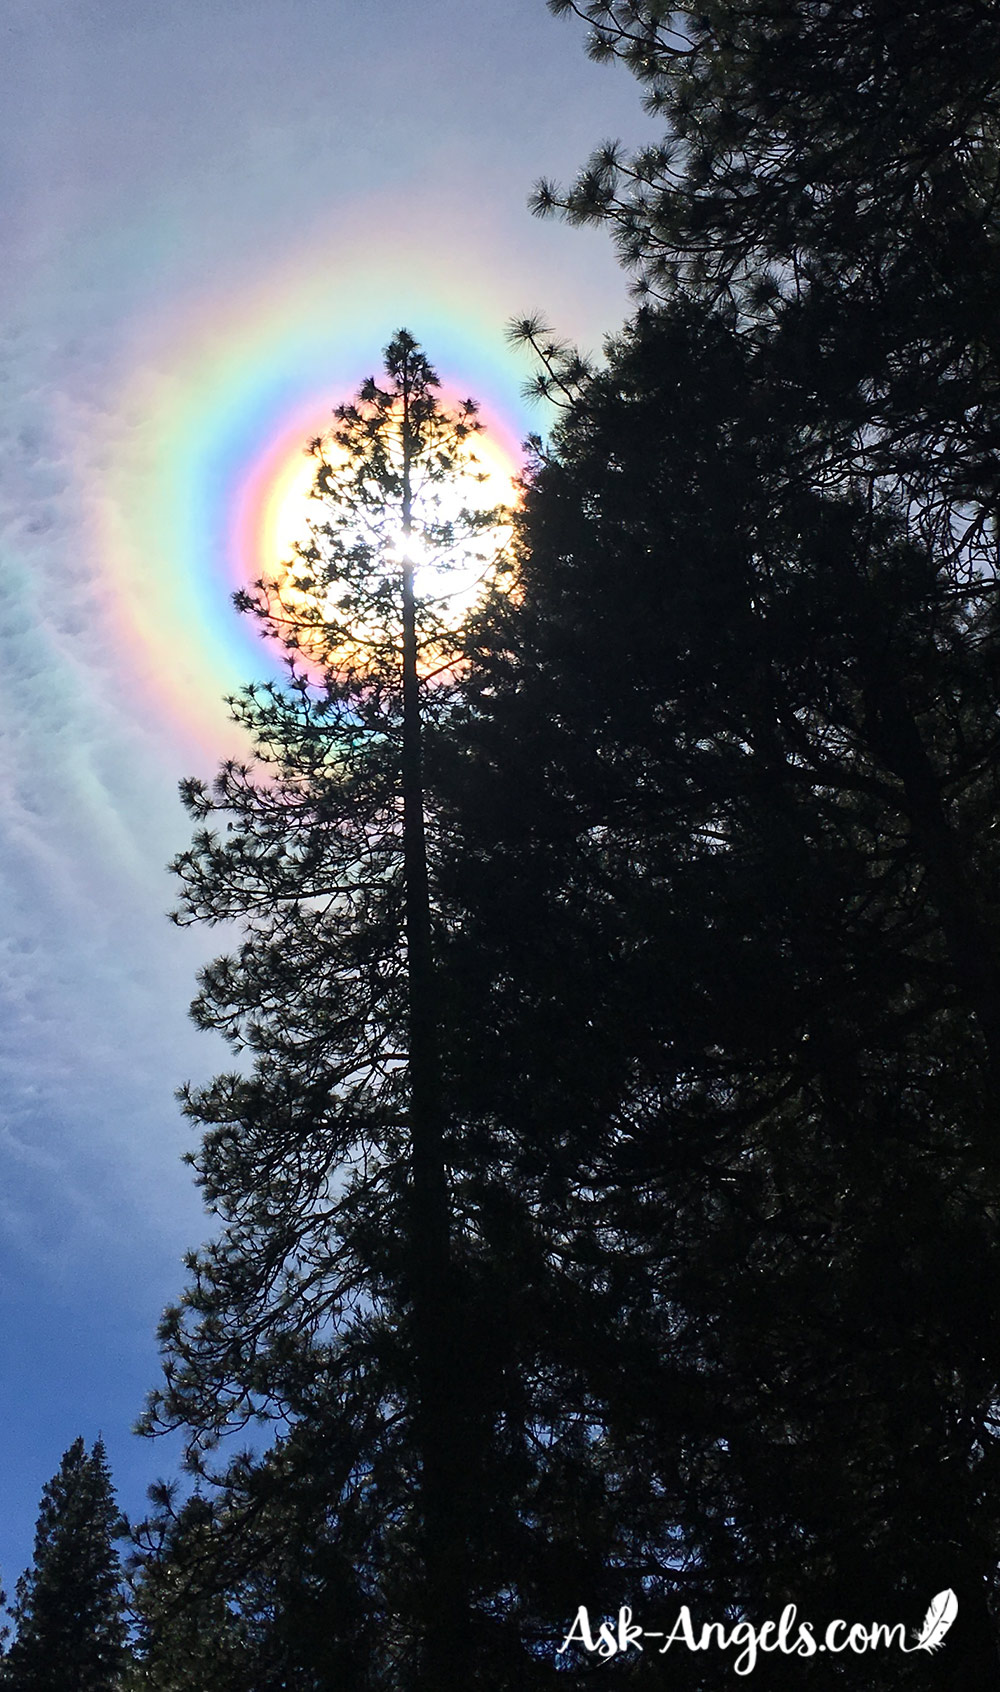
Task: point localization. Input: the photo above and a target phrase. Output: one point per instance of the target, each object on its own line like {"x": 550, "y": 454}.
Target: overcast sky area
{"x": 216, "y": 213}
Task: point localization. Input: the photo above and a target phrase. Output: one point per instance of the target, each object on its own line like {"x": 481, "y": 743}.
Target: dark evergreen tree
{"x": 724, "y": 823}
{"x": 68, "y": 1608}
{"x": 754, "y": 1106}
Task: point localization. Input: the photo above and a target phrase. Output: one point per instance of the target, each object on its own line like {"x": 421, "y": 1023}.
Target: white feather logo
{"x": 937, "y": 1621}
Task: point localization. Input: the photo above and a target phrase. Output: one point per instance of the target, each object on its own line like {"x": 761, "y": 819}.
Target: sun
{"x": 279, "y": 511}
{"x": 487, "y": 482}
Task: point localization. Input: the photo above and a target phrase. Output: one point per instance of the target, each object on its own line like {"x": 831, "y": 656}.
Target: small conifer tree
{"x": 68, "y": 1605}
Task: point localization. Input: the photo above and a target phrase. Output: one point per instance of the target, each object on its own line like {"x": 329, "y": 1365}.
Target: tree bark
{"x": 445, "y": 1654}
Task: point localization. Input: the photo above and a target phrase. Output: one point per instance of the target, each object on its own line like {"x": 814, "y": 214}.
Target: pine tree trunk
{"x": 444, "y": 1659}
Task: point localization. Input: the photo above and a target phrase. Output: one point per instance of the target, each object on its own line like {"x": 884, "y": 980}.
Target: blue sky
{"x": 182, "y": 186}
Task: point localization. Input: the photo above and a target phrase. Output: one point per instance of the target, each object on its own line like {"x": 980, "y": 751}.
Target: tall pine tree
{"x": 736, "y": 752}
{"x": 331, "y": 1303}
{"x": 722, "y": 1025}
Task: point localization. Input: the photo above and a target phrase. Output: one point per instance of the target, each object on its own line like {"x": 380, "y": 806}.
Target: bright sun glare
{"x": 290, "y": 508}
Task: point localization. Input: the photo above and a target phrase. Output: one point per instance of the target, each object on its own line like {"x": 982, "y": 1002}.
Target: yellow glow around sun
{"x": 287, "y": 510}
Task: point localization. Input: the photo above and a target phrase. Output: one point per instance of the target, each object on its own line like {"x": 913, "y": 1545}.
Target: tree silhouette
{"x": 753, "y": 666}
{"x": 828, "y": 185}
{"x": 331, "y": 1290}
{"x": 68, "y": 1606}
{"x": 724, "y": 1020}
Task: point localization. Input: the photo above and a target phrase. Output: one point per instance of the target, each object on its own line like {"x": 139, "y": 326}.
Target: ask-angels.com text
{"x": 786, "y": 1635}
